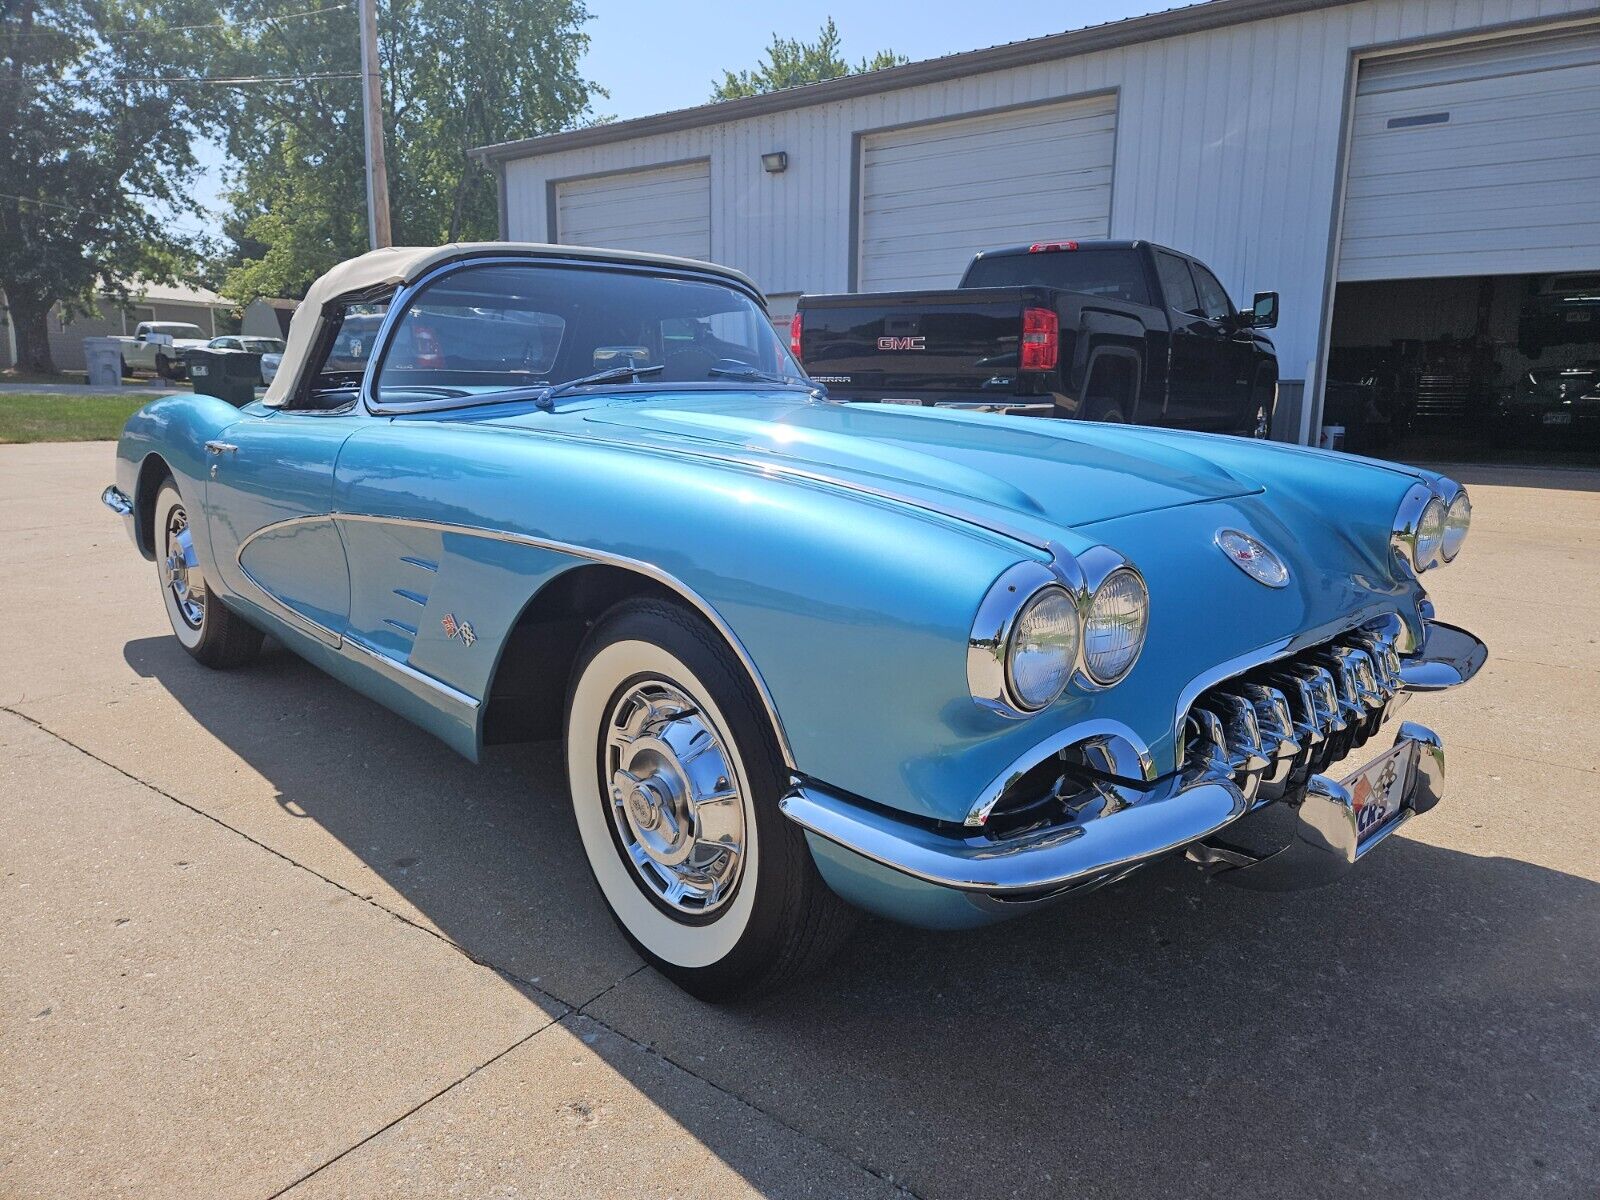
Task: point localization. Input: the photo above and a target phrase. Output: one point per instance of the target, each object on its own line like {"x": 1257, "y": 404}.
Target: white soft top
{"x": 396, "y": 265}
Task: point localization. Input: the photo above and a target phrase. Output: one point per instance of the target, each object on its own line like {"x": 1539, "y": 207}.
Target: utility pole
{"x": 372, "y": 110}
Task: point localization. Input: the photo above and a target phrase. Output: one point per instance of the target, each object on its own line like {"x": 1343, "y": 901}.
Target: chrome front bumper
{"x": 116, "y": 500}
{"x": 1324, "y": 842}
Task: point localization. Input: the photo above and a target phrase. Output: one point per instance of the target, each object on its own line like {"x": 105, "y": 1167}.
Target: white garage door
{"x": 1476, "y": 161}
{"x": 934, "y": 195}
{"x": 666, "y": 209}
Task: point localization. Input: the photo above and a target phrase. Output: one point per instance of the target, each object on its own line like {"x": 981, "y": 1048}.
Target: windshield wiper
{"x": 744, "y": 372}
{"x": 546, "y": 397}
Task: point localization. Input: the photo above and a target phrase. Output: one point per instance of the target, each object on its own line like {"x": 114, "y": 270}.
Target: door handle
{"x": 221, "y": 448}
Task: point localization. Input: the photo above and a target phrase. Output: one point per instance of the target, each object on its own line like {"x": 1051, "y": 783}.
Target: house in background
{"x": 150, "y": 302}
{"x": 267, "y": 316}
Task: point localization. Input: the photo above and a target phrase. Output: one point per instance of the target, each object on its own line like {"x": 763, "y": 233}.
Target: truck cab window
{"x": 1213, "y": 297}
{"x": 1177, "y": 284}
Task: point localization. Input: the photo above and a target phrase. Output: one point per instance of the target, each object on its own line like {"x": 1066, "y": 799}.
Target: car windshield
{"x": 262, "y": 345}
{"x": 511, "y": 326}
{"x": 175, "y": 329}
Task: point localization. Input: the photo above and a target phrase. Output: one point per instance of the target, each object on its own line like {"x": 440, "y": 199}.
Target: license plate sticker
{"x": 1379, "y": 789}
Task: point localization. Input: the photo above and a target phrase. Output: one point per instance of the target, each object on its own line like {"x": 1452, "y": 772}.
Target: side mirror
{"x": 1264, "y": 310}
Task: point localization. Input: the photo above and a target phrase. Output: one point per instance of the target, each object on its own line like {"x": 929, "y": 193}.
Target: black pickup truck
{"x": 1107, "y": 331}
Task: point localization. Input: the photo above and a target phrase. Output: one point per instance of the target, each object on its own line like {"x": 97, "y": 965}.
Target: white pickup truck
{"x": 161, "y": 347}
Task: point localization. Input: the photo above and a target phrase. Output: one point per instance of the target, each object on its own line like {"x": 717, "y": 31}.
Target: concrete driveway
{"x": 259, "y": 935}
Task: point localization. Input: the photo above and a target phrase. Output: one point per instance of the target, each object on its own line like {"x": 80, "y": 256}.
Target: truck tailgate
{"x": 878, "y": 345}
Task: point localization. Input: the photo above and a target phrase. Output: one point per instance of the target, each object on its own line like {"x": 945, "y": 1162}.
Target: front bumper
{"x": 942, "y": 876}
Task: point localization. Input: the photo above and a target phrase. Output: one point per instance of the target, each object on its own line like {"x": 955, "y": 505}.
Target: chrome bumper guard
{"x": 1326, "y": 840}
{"x": 116, "y": 500}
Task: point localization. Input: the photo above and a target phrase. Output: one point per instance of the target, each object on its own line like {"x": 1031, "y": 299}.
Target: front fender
{"x": 172, "y": 432}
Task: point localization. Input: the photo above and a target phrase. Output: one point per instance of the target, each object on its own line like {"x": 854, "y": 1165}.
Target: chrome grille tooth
{"x": 1297, "y": 714}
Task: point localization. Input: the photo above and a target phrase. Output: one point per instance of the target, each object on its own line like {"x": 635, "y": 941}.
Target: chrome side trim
{"x": 406, "y": 673}
{"x": 116, "y": 500}
{"x": 1032, "y": 864}
{"x": 587, "y": 554}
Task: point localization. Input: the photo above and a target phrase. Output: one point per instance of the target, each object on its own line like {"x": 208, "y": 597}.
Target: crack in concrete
{"x": 554, "y": 1020}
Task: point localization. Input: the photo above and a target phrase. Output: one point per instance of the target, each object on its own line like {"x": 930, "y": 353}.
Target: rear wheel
{"x": 1104, "y": 408}
{"x": 163, "y": 366}
{"x": 675, "y": 780}
{"x": 208, "y": 631}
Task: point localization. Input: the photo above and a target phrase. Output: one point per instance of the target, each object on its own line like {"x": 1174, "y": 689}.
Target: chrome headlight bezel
{"x": 992, "y": 643}
{"x": 1423, "y": 506}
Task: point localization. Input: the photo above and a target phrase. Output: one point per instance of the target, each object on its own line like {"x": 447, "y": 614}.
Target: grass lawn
{"x": 45, "y": 417}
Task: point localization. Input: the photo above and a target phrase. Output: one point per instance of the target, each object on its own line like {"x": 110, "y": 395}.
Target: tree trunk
{"x": 462, "y": 184}
{"x": 28, "y": 316}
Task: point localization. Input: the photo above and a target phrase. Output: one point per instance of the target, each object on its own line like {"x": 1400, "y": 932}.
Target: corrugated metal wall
{"x": 1228, "y": 145}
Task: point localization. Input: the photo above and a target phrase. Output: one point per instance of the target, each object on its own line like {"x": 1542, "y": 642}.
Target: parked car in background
{"x": 941, "y": 666}
{"x": 1565, "y": 309}
{"x": 270, "y": 349}
{"x": 1563, "y": 402}
{"x": 1106, "y": 331}
{"x": 160, "y": 347}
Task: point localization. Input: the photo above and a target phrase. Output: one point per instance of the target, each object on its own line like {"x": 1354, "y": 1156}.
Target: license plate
{"x": 197, "y": 370}
{"x": 911, "y": 403}
{"x": 1558, "y": 418}
{"x": 1379, "y": 788}
{"x": 1576, "y": 317}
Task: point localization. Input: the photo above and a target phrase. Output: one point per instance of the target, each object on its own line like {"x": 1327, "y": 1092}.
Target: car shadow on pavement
{"x": 1427, "y": 1027}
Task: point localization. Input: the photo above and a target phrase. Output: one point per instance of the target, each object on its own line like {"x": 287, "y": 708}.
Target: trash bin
{"x": 103, "y": 356}
{"x": 229, "y": 375}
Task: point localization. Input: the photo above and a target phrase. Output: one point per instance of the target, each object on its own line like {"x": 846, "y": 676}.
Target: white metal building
{"x": 1311, "y": 146}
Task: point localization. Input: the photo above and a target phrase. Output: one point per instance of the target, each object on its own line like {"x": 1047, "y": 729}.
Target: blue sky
{"x": 654, "y": 57}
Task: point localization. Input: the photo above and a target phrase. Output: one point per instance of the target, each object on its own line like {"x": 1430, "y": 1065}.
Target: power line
{"x": 270, "y": 19}
{"x": 234, "y": 80}
{"x": 93, "y": 212}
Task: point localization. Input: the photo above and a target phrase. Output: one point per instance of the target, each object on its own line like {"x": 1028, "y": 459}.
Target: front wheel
{"x": 208, "y": 631}
{"x": 675, "y": 778}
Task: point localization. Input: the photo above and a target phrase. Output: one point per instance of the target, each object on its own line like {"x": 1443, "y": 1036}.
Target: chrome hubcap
{"x": 183, "y": 573}
{"x": 675, "y": 803}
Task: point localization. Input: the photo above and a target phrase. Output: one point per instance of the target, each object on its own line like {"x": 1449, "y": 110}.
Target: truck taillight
{"x": 1041, "y": 339}
{"x": 795, "y": 326}
{"x": 1047, "y": 247}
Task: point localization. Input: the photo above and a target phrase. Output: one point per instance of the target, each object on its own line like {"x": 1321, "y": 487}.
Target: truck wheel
{"x": 208, "y": 631}
{"x": 123, "y": 364}
{"x": 675, "y": 778}
{"x": 1261, "y": 408}
{"x": 1103, "y": 408}
{"x": 163, "y": 366}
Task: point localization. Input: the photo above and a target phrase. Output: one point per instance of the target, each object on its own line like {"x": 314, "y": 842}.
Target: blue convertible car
{"x": 803, "y": 655}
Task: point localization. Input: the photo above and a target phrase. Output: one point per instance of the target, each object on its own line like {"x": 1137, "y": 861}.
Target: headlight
{"x": 1430, "y": 536}
{"x": 1043, "y": 649}
{"x": 1113, "y": 634}
{"x": 1457, "y": 519}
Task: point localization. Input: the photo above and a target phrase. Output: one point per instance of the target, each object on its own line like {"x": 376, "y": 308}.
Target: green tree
{"x": 94, "y": 144}
{"x": 456, "y": 74}
{"x": 791, "y": 62}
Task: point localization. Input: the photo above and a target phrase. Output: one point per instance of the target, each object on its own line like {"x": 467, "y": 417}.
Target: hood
{"x": 1060, "y": 473}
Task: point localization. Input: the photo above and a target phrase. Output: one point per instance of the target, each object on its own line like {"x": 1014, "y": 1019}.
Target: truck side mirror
{"x": 1264, "y": 310}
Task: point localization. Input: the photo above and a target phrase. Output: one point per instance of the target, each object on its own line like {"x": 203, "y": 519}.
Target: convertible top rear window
{"x": 497, "y": 326}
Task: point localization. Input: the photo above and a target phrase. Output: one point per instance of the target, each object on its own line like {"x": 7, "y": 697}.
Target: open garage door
{"x": 664, "y": 209}
{"x": 1466, "y": 320}
{"x": 1479, "y": 160}
{"x": 933, "y": 195}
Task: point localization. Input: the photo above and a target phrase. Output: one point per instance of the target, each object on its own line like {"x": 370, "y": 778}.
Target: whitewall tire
{"x": 211, "y": 633}
{"x": 675, "y": 779}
